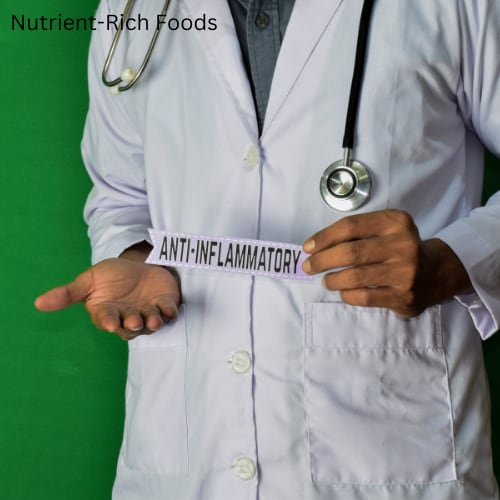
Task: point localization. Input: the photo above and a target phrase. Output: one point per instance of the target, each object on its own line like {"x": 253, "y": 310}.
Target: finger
{"x": 65, "y": 295}
{"x": 360, "y": 226}
{"x": 152, "y": 319}
{"x": 106, "y": 318}
{"x": 352, "y": 253}
{"x": 371, "y": 297}
{"x": 132, "y": 321}
{"x": 379, "y": 275}
{"x": 129, "y": 335}
{"x": 168, "y": 307}
{"x": 126, "y": 335}
{"x": 386, "y": 297}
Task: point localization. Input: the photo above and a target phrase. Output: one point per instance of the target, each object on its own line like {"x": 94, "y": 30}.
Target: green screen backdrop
{"x": 62, "y": 381}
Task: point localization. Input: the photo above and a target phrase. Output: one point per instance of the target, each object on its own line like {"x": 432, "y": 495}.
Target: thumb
{"x": 65, "y": 295}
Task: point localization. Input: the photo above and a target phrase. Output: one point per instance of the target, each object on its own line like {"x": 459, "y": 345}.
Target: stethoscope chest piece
{"x": 345, "y": 185}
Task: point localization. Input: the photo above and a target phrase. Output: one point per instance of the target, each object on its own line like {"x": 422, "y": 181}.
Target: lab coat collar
{"x": 224, "y": 54}
{"x": 307, "y": 24}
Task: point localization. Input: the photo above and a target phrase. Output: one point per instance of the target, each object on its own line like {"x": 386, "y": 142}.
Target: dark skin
{"x": 122, "y": 295}
{"x": 386, "y": 264}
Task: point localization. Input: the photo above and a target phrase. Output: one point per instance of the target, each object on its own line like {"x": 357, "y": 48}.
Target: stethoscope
{"x": 129, "y": 76}
{"x": 346, "y": 184}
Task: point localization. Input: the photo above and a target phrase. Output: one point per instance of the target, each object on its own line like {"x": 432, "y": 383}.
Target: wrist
{"x": 449, "y": 275}
{"x": 138, "y": 252}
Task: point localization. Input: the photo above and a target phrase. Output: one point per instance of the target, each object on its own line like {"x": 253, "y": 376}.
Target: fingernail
{"x": 306, "y": 266}
{"x": 309, "y": 245}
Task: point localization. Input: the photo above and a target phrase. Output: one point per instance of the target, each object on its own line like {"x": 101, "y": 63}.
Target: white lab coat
{"x": 340, "y": 402}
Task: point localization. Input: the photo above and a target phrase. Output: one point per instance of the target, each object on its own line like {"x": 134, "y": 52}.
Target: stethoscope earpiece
{"x": 129, "y": 77}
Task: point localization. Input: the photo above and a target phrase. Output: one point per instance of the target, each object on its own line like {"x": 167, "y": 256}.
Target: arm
{"x": 121, "y": 293}
{"x": 463, "y": 259}
{"x": 475, "y": 239}
{"x": 116, "y": 210}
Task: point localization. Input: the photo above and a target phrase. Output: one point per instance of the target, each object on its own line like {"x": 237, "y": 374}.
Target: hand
{"x": 121, "y": 295}
{"x": 385, "y": 262}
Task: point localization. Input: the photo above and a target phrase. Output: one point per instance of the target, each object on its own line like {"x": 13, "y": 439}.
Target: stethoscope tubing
{"x": 358, "y": 75}
{"x": 118, "y": 81}
{"x": 346, "y": 184}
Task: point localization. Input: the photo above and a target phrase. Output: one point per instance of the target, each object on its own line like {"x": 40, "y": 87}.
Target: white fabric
{"x": 340, "y": 403}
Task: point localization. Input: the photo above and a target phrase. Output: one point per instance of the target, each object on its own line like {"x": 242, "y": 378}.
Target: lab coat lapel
{"x": 223, "y": 51}
{"x": 307, "y": 24}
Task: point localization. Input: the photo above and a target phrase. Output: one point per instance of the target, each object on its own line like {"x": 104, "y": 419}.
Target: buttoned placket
{"x": 260, "y": 25}
{"x": 264, "y": 41}
{"x": 263, "y": 38}
{"x": 240, "y": 363}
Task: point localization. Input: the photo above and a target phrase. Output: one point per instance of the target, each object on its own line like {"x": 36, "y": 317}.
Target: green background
{"x": 62, "y": 381}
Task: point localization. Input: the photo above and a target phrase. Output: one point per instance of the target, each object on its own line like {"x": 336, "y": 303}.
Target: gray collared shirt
{"x": 261, "y": 26}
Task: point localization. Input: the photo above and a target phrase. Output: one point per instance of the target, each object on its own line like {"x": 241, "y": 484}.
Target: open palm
{"x": 122, "y": 296}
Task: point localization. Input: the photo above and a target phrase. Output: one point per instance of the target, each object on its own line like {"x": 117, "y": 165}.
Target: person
{"x": 366, "y": 382}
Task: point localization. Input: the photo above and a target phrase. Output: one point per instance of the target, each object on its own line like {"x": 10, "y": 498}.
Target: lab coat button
{"x": 252, "y": 157}
{"x": 245, "y": 468}
{"x": 241, "y": 362}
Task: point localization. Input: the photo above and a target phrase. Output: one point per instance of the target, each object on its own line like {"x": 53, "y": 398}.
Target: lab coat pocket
{"x": 378, "y": 397}
{"x": 155, "y": 437}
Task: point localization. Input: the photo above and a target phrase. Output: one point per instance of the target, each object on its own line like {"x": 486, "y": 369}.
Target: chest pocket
{"x": 378, "y": 397}
{"x": 155, "y": 436}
